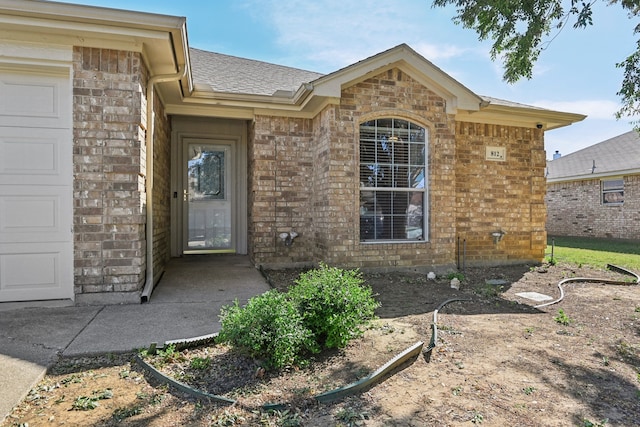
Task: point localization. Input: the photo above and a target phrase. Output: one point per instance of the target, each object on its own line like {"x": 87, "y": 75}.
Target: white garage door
{"x": 36, "y": 241}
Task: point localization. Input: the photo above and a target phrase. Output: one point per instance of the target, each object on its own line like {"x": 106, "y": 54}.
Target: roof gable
{"x": 615, "y": 156}
{"x": 408, "y": 60}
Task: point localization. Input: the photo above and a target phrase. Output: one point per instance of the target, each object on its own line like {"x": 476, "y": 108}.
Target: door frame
{"x": 216, "y": 131}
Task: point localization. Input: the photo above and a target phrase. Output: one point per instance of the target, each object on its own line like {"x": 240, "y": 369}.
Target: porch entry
{"x": 208, "y": 196}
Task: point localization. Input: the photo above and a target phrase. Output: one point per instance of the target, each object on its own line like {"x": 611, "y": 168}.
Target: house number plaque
{"x": 497, "y": 154}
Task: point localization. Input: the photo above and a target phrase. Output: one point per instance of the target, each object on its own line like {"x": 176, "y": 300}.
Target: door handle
{"x": 185, "y": 196}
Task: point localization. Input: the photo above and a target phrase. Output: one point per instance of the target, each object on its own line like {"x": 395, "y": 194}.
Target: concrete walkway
{"x": 185, "y": 303}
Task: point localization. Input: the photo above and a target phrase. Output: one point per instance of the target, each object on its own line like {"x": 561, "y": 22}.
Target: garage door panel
{"x": 27, "y": 273}
{"x": 36, "y": 185}
{"x": 35, "y": 156}
{"x": 33, "y": 100}
{"x": 35, "y": 214}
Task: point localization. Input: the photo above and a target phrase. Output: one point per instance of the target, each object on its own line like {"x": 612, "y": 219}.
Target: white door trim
{"x": 232, "y": 131}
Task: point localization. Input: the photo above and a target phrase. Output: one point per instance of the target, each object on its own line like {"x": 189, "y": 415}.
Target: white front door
{"x": 36, "y": 240}
{"x": 208, "y": 197}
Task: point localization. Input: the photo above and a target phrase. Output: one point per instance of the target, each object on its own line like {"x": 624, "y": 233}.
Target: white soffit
{"x": 161, "y": 38}
{"x": 520, "y": 115}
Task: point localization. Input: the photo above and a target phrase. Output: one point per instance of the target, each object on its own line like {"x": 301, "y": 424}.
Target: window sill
{"x": 383, "y": 242}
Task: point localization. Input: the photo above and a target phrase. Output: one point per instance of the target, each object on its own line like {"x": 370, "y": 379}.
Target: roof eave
{"x": 588, "y": 176}
{"x": 521, "y": 116}
{"x": 204, "y": 94}
{"x": 162, "y": 39}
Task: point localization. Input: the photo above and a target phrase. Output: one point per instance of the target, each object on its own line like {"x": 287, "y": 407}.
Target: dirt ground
{"x": 498, "y": 362}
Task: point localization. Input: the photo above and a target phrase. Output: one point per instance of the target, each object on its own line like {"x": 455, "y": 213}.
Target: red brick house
{"x": 595, "y": 192}
{"x": 121, "y": 147}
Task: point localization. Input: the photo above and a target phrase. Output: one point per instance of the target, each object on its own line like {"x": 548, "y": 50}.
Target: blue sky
{"x": 576, "y": 73}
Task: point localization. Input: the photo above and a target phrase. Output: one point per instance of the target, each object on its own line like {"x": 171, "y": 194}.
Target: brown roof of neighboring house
{"x": 616, "y": 156}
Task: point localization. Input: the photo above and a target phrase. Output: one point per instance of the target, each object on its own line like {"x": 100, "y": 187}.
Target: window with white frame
{"x": 612, "y": 191}
{"x": 393, "y": 180}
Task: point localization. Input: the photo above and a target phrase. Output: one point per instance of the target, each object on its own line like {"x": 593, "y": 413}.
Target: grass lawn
{"x": 595, "y": 252}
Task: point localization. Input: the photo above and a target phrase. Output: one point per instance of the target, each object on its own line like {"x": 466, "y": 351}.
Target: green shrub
{"x": 455, "y": 275}
{"x": 333, "y": 304}
{"x": 562, "y": 318}
{"x": 324, "y": 309}
{"x": 269, "y": 327}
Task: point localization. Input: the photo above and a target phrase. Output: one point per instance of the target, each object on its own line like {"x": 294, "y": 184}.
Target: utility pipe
{"x": 594, "y": 280}
{"x": 162, "y": 78}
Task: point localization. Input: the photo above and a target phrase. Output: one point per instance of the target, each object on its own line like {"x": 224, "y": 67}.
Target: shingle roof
{"x": 225, "y": 73}
{"x": 621, "y": 153}
{"x": 505, "y": 103}
{"x": 235, "y": 75}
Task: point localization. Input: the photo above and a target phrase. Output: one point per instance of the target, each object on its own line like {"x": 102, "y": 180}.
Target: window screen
{"x": 392, "y": 180}
{"x": 613, "y": 191}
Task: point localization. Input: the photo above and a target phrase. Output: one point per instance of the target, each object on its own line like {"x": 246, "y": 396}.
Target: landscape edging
{"x": 369, "y": 381}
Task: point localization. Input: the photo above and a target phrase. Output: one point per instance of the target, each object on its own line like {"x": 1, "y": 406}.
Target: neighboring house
{"x": 121, "y": 147}
{"x": 596, "y": 191}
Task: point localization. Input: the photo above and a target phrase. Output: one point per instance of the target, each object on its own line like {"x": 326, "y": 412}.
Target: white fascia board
{"x": 201, "y": 95}
{"x": 300, "y": 103}
{"x": 160, "y": 37}
{"x": 266, "y": 104}
{"x": 11, "y": 51}
{"x": 590, "y": 176}
{"x": 226, "y": 112}
{"x": 78, "y": 28}
{"x": 519, "y": 116}
{"x": 54, "y": 11}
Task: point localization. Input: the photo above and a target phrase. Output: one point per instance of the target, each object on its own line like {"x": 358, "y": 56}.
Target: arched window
{"x": 393, "y": 180}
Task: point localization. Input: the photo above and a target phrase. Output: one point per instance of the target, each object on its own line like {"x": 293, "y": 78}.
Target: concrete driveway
{"x": 186, "y": 303}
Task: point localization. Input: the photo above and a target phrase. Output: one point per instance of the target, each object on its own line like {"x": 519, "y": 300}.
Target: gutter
{"x": 588, "y": 176}
{"x": 150, "y": 283}
{"x": 205, "y": 93}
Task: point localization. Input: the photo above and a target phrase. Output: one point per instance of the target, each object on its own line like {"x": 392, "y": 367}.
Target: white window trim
{"x": 613, "y": 190}
{"x": 425, "y": 190}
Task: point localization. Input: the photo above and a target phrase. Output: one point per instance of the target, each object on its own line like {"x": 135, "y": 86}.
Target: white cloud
{"x": 584, "y": 134}
{"x": 595, "y": 108}
{"x": 331, "y": 34}
{"x": 435, "y": 52}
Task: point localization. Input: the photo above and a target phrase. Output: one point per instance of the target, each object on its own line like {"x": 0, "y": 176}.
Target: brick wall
{"x": 575, "y": 209}
{"x": 305, "y": 173}
{"x": 109, "y": 218}
{"x": 280, "y": 189}
{"x": 324, "y": 214}
{"x": 500, "y": 195}
{"x": 391, "y": 94}
{"x": 306, "y": 176}
{"x": 161, "y": 189}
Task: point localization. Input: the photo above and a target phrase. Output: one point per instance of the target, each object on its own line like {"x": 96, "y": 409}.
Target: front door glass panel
{"x": 207, "y": 199}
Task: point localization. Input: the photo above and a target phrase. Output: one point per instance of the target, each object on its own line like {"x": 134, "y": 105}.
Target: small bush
{"x": 269, "y": 327}
{"x": 333, "y": 304}
{"x": 562, "y": 318}
{"x": 200, "y": 363}
{"x": 455, "y": 275}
